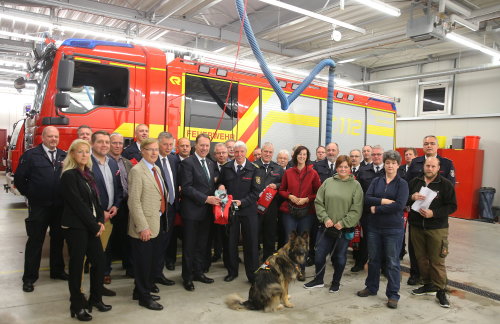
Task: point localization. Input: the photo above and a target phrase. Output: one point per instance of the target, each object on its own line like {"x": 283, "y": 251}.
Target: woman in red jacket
{"x": 299, "y": 186}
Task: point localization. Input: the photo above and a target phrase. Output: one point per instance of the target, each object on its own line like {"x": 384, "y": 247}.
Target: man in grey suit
{"x": 147, "y": 202}
{"x": 197, "y": 178}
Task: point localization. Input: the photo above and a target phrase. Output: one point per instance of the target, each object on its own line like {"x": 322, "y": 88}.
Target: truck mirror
{"x": 20, "y": 83}
{"x": 65, "y": 75}
{"x": 62, "y": 100}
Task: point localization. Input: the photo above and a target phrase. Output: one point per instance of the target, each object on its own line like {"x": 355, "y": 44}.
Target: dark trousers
{"x": 268, "y": 223}
{"x": 384, "y": 244}
{"x": 361, "y": 256}
{"x": 163, "y": 239}
{"x": 82, "y": 243}
{"x": 249, "y": 230}
{"x": 39, "y": 219}
{"x": 144, "y": 260}
{"x": 119, "y": 244}
{"x": 194, "y": 246}
{"x": 413, "y": 259}
{"x": 215, "y": 239}
{"x": 337, "y": 247}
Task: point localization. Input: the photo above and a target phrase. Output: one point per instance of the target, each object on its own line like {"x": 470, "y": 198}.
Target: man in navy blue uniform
{"x": 197, "y": 176}
{"x": 37, "y": 178}
{"x": 108, "y": 182}
{"x": 168, "y": 164}
{"x": 326, "y": 167}
{"x": 133, "y": 151}
{"x": 239, "y": 179}
{"x": 365, "y": 176}
{"x": 416, "y": 169}
{"x": 270, "y": 174}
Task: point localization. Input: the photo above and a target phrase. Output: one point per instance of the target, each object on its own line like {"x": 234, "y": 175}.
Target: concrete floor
{"x": 473, "y": 260}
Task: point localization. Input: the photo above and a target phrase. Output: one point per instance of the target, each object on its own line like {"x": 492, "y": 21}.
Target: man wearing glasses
{"x": 365, "y": 177}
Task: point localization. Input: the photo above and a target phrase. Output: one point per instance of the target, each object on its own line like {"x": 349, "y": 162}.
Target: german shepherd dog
{"x": 273, "y": 277}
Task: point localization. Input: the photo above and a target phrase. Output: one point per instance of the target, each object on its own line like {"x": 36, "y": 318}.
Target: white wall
{"x": 11, "y": 107}
{"x": 475, "y": 93}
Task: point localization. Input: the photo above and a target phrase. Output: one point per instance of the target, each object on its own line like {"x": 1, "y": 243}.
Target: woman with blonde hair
{"x": 82, "y": 223}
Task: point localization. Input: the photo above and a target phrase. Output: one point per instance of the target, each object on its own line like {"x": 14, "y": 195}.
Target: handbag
{"x": 332, "y": 232}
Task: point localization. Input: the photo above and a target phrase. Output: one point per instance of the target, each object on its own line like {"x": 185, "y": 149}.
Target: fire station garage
{"x": 351, "y": 150}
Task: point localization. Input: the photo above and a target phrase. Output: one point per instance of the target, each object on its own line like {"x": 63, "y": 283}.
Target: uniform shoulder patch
{"x": 255, "y": 165}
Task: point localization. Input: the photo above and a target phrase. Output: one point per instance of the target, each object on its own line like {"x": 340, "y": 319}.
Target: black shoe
{"x": 135, "y": 296}
{"x": 99, "y": 305}
{"x": 62, "y": 276}
{"x": 164, "y": 281}
{"x": 215, "y": 258}
{"x": 188, "y": 285}
{"x": 155, "y": 289}
{"x": 429, "y": 290}
{"x": 28, "y": 286}
{"x": 413, "y": 280}
{"x": 230, "y": 278}
{"x": 357, "y": 268}
{"x": 203, "y": 278}
{"x": 107, "y": 292}
{"x": 442, "y": 299}
{"x": 170, "y": 266}
{"x": 81, "y": 315}
{"x": 150, "y": 304}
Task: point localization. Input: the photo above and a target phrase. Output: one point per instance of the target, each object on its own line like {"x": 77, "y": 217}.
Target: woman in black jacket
{"x": 82, "y": 223}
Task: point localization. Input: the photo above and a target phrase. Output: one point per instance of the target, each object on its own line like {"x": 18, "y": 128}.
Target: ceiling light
{"x": 314, "y": 15}
{"x": 29, "y": 21}
{"x": 473, "y": 44}
{"x": 22, "y": 36}
{"x": 381, "y": 6}
{"x": 346, "y": 61}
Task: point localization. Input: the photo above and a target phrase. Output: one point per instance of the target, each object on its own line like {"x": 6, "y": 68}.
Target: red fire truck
{"x": 115, "y": 86}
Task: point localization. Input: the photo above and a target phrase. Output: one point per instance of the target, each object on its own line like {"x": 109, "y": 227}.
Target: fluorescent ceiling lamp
{"x": 314, "y": 15}
{"x": 381, "y": 6}
{"x": 21, "y": 36}
{"x": 2, "y": 70}
{"x": 473, "y": 44}
{"x": 29, "y": 21}
{"x": 346, "y": 61}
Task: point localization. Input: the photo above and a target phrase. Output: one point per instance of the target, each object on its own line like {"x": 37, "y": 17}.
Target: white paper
{"x": 424, "y": 204}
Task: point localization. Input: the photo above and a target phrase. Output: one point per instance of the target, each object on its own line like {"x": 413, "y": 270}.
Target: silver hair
{"x": 240, "y": 144}
{"x": 283, "y": 151}
{"x": 268, "y": 144}
{"x": 219, "y": 145}
{"x": 167, "y": 135}
{"x": 116, "y": 134}
{"x": 355, "y": 150}
{"x": 392, "y": 155}
{"x": 378, "y": 147}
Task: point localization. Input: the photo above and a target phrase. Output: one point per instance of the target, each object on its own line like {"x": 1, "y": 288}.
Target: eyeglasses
{"x": 220, "y": 153}
{"x": 376, "y": 154}
{"x": 152, "y": 149}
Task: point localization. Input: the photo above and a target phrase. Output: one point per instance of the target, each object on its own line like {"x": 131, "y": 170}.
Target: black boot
{"x": 80, "y": 314}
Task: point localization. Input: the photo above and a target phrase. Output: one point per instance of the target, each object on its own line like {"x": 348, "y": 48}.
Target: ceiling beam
{"x": 179, "y": 25}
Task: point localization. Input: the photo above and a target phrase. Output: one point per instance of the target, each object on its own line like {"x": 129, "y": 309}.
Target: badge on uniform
{"x": 257, "y": 180}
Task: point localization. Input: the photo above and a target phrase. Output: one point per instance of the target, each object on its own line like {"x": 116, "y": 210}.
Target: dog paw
{"x": 280, "y": 307}
{"x": 289, "y": 305}
{"x": 289, "y": 297}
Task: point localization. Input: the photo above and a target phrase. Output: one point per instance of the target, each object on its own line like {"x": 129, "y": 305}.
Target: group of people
{"x": 134, "y": 203}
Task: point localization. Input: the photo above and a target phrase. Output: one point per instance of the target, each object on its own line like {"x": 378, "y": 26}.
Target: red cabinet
{"x": 469, "y": 175}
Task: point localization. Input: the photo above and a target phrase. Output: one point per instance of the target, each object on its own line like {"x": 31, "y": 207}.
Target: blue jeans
{"x": 384, "y": 243}
{"x": 290, "y": 223}
{"x": 324, "y": 245}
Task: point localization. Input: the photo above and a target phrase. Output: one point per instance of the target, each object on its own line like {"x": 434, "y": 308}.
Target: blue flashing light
{"x": 91, "y": 44}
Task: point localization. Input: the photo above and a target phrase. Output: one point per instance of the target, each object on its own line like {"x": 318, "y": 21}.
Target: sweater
{"x": 307, "y": 186}
{"x": 339, "y": 200}
{"x": 389, "y": 215}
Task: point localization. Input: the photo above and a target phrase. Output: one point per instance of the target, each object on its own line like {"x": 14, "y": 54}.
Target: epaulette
{"x": 255, "y": 165}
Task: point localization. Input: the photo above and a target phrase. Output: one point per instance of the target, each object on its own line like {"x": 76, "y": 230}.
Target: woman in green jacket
{"x": 339, "y": 203}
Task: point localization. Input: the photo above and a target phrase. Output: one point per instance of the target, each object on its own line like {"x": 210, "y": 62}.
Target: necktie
{"x": 170, "y": 187}
{"x": 266, "y": 165}
{"x": 52, "y": 158}
{"x": 158, "y": 182}
{"x": 123, "y": 176}
{"x": 377, "y": 169}
{"x": 239, "y": 168}
{"x": 331, "y": 168}
{"x": 204, "y": 167}
{"x": 353, "y": 170}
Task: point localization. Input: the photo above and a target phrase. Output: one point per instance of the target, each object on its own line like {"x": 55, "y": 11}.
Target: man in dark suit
{"x": 133, "y": 151}
{"x": 365, "y": 177}
{"x": 270, "y": 174}
{"x": 168, "y": 165}
{"x": 37, "y": 178}
{"x": 108, "y": 182}
{"x": 367, "y": 155}
{"x": 197, "y": 178}
{"x": 355, "y": 156}
{"x": 238, "y": 177}
{"x": 326, "y": 167}
{"x": 410, "y": 154}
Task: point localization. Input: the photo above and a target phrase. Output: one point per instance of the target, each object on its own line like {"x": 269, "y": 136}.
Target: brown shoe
{"x": 107, "y": 280}
{"x": 365, "y": 293}
{"x": 392, "y": 303}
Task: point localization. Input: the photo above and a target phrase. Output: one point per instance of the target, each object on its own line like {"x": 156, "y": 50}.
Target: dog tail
{"x": 235, "y": 302}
